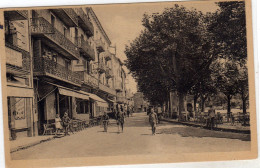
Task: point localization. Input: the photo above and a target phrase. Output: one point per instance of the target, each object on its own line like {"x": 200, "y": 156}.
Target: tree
{"x": 229, "y": 32}
{"x": 172, "y": 52}
{"x": 225, "y": 76}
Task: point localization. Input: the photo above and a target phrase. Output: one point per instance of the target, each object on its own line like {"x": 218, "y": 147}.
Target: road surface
{"x": 137, "y": 138}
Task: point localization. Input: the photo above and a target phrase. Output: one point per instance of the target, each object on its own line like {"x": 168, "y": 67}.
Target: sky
{"x": 122, "y": 23}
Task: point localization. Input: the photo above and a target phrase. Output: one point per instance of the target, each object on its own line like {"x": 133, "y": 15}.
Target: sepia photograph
{"x": 135, "y": 83}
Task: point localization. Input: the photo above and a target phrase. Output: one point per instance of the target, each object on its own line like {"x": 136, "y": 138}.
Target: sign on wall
{"x": 13, "y": 57}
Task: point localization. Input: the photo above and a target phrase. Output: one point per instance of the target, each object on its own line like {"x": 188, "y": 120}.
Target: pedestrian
{"x": 105, "y": 119}
{"x": 66, "y": 123}
{"x": 153, "y": 119}
{"x": 58, "y": 126}
{"x": 211, "y": 114}
{"x": 128, "y": 111}
{"x": 120, "y": 120}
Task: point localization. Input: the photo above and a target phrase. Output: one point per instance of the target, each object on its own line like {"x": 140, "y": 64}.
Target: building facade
{"x": 58, "y": 60}
{"x": 21, "y": 115}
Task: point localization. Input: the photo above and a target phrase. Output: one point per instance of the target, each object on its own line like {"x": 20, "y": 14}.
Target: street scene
{"x": 134, "y": 79}
{"x": 137, "y": 139}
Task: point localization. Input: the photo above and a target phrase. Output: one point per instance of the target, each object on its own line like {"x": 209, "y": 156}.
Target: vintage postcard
{"x": 135, "y": 83}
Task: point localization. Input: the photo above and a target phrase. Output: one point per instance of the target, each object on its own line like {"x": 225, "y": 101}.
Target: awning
{"x": 112, "y": 101}
{"x": 73, "y": 93}
{"x": 100, "y": 102}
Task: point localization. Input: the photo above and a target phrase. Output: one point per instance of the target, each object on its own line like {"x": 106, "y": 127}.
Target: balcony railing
{"x": 16, "y": 15}
{"x": 41, "y": 27}
{"x": 47, "y": 67}
{"x": 107, "y": 89}
{"x": 109, "y": 73}
{"x": 90, "y": 80}
{"x": 67, "y": 15}
{"x": 17, "y": 58}
{"x": 85, "y": 48}
{"x": 84, "y": 22}
{"x": 100, "y": 45}
{"x": 101, "y": 67}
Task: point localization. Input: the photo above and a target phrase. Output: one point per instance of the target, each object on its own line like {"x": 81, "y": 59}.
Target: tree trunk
{"x": 195, "y": 102}
{"x": 182, "y": 102}
{"x": 244, "y": 105}
{"x": 203, "y": 105}
{"x": 228, "y": 107}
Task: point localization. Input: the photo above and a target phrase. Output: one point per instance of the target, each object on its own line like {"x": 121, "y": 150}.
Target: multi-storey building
{"x": 70, "y": 68}
{"x": 119, "y": 80}
{"x": 54, "y": 49}
{"x": 102, "y": 66}
{"x": 21, "y": 118}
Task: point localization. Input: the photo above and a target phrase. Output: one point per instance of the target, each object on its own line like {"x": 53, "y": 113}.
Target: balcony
{"x": 118, "y": 86}
{"x": 101, "y": 67}
{"x": 120, "y": 99}
{"x": 107, "y": 89}
{"x": 90, "y": 80}
{"x": 109, "y": 73}
{"x": 18, "y": 61}
{"x": 100, "y": 45}
{"x": 67, "y": 15}
{"x": 49, "y": 68}
{"x": 16, "y": 15}
{"x": 107, "y": 55}
{"x": 85, "y": 49}
{"x": 55, "y": 39}
{"x": 84, "y": 22}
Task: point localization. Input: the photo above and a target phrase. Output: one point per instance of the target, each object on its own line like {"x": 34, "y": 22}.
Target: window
{"x": 64, "y": 30}
{"x": 82, "y": 106}
{"x": 67, "y": 64}
{"x": 52, "y": 20}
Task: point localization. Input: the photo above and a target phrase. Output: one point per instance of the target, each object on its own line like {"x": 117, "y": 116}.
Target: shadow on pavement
{"x": 200, "y": 133}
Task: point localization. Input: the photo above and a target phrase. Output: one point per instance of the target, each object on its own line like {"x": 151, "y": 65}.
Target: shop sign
{"x": 19, "y": 113}
{"x": 13, "y": 57}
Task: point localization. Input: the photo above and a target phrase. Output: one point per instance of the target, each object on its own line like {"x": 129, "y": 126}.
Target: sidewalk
{"x": 27, "y": 142}
{"x": 227, "y": 127}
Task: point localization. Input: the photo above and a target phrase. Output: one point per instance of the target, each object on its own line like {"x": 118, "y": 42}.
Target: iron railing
{"x": 85, "y": 48}
{"x": 45, "y": 66}
{"x": 107, "y": 89}
{"x": 40, "y": 26}
{"x": 84, "y": 21}
{"x": 90, "y": 80}
{"x": 67, "y": 15}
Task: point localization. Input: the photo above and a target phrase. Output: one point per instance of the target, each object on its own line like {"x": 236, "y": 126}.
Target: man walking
{"x": 211, "y": 114}
{"x": 120, "y": 120}
{"x": 153, "y": 119}
{"x": 105, "y": 119}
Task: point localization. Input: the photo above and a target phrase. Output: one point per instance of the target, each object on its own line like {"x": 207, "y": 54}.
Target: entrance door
{"x": 65, "y": 105}
{"x": 41, "y": 116}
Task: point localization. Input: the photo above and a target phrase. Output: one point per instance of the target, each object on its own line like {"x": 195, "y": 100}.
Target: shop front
{"x": 55, "y": 99}
{"x": 20, "y": 113}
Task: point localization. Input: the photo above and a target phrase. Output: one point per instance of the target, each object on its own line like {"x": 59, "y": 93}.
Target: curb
{"x": 30, "y": 145}
{"x": 215, "y": 129}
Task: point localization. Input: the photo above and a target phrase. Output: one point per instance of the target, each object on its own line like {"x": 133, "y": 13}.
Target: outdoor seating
{"x": 48, "y": 129}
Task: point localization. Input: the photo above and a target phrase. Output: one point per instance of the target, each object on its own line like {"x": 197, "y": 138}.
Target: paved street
{"x": 137, "y": 139}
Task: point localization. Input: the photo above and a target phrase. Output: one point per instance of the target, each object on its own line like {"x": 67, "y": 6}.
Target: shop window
{"x": 82, "y": 106}
{"x": 18, "y": 110}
